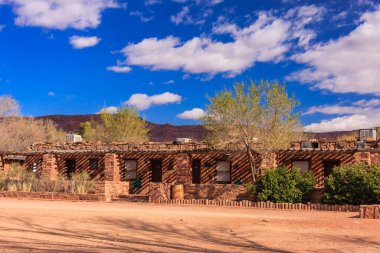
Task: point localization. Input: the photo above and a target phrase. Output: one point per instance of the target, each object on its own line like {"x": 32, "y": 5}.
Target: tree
{"x": 19, "y": 133}
{"x": 259, "y": 117}
{"x": 8, "y": 106}
{"x": 123, "y": 126}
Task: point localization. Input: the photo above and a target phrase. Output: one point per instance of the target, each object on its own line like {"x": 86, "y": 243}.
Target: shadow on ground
{"x": 142, "y": 237}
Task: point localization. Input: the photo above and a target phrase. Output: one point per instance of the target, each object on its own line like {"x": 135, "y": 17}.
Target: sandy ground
{"x": 34, "y": 226}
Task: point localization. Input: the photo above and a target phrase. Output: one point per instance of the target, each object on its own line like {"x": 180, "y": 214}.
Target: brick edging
{"x": 369, "y": 211}
{"x": 53, "y": 196}
{"x": 267, "y": 205}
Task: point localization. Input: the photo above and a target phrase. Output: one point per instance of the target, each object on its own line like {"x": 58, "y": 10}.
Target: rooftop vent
{"x": 367, "y": 134}
{"x": 70, "y": 138}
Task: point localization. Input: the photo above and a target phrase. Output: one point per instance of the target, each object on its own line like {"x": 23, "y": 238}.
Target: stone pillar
{"x": 182, "y": 169}
{"x": 269, "y": 162}
{"x": 111, "y": 168}
{"x": 364, "y": 157}
{"x": 49, "y": 166}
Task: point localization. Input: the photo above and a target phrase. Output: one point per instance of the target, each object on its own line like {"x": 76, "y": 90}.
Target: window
{"x": 130, "y": 170}
{"x": 303, "y": 165}
{"x": 223, "y": 172}
{"x": 94, "y": 164}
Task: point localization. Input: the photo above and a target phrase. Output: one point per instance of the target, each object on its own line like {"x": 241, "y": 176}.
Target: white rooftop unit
{"x": 367, "y": 134}
{"x": 73, "y": 138}
{"x": 183, "y": 140}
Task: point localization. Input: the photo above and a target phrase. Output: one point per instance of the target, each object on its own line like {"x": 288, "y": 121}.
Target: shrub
{"x": 282, "y": 185}
{"x": 82, "y": 182}
{"x": 353, "y": 184}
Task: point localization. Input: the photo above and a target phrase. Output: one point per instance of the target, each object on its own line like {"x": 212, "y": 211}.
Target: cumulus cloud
{"x": 350, "y": 64}
{"x": 120, "y": 69}
{"x": 144, "y": 101}
{"x": 193, "y": 114}
{"x": 51, "y": 94}
{"x": 109, "y": 109}
{"x": 60, "y": 14}
{"x": 79, "y": 42}
{"x": 360, "y": 114}
{"x": 263, "y": 41}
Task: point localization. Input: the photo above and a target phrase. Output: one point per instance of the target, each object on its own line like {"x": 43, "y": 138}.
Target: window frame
{"x": 126, "y": 171}
{"x": 229, "y": 172}
{"x": 302, "y": 160}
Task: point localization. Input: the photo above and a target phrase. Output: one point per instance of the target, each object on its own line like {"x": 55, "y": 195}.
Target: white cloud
{"x": 184, "y": 17}
{"x": 79, "y": 42}
{"x": 60, "y": 14}
{"x": 193, "y": 114}
{"x": 348, "y": 64}
{"x": 152, "y": 2}
{"x": 300, "y": 18}
{"x": 205, "y": 2}
{"x": 143, "y": 101}
{"x": 110, "y": 109}
{"x": 169, "y": 82}
{"x": 263, "y": 41}
{"x": 360, "y": 114}
{"x": 144, "y": 17}
{"x": 119, "y": 69}
{"x": 51, "y": 94}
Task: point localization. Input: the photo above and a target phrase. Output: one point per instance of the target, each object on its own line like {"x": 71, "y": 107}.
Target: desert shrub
{"x": 282, "y": 185}
{"x": 82, "y": 182}
{"x": 45, "y": 184}
{"x": 353, "y": 184}
{"x": 20, "y": 179}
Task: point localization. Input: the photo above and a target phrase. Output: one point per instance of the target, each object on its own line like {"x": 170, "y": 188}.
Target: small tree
{"x": 123, "y": 126}
{"x": 8, "y": 106}
{"x": 258, "y": 116}
{"x": 18, "y": 133}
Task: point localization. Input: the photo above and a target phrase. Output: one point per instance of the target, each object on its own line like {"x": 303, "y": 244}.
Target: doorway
{"x": 328, "y": 167}
{"x": 70, "y": 167}
{"x": 156, "y": 170}
{"x": 196, "y": 171}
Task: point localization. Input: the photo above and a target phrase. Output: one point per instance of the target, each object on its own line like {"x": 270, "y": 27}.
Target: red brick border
{"x": 369, "y": 211}
{"x": 267, "y": 205}
{"x": 53, "y": 196}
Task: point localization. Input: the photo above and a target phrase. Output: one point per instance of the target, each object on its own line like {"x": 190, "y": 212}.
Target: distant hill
{"x": 165, "y": 132}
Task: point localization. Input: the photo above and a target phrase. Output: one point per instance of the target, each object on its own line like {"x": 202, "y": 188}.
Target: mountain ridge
{"x": 158, "y": 132}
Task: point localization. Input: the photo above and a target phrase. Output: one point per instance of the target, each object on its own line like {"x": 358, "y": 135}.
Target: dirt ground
{"x": 34, "y": 226}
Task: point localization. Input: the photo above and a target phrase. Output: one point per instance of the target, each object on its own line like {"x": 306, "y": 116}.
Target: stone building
{"x": 205, "y": 172}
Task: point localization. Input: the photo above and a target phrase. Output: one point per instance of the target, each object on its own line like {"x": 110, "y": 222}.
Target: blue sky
{"x": 164, "y": 56}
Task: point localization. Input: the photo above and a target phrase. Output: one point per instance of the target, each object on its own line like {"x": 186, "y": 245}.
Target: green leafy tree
{"x": 258, "y": 116}
{"x": 353, "y": 184}
{"x": 282, "y": 185}
{"x": 123, "y": 126}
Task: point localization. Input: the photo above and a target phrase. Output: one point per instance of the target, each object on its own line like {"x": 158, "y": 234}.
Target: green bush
{"x": 282, "y": 185}
{"x": 353, "y": 184}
